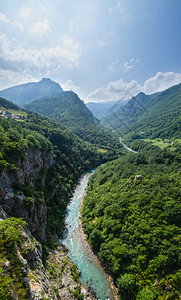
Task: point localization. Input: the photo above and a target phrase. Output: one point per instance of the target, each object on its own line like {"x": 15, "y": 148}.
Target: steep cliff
{"x": 23, "y": 265}
{"x": 16, "y": 187}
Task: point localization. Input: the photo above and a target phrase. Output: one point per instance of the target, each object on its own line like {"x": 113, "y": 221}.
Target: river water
{"x": 125, "y": 146}
{"x": 92, "y": 273}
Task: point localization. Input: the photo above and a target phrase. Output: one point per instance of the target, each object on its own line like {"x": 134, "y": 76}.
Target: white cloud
{"x": 3, "y": 18}
{"x": 69, "y": 85}
{"x": 131, "y": 64}
{"x": 18, "y": 25}
{"x": 115, "y": 90}
{"x": 45, "y": 60}
{"x": 112, "y": 66}
{"x": 40, "y": 28}
{"x": 10, "y": 78}
{"x": 101, "y": 44}
{"x": 117, "y": 8}
{"x": 26, "y": 12}
{"x": 161, "y": 81}
{"x": 121, "y": 90}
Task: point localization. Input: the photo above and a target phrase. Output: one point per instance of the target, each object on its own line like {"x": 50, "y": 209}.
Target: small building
{"x": 8, "y": 114}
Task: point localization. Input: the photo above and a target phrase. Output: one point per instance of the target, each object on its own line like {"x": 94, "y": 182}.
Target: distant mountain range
{"x": 48, "y": 99}
{"x": 25, "y": 93}
{"x": 129, "y": 113}
{"x": 151, "y": 114}
{"x": 103, "y": 109}
{"x": 161, "y": 117}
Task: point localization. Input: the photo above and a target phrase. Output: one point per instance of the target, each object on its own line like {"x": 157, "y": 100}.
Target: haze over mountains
{"x": 123, "y": 209}
{"x": 128, "y": 113}
{"x": 25, "y": 93}
{"x": 48, "y": 98}
{"x": 161, "y": 116}
{"x": 103, "y": 109}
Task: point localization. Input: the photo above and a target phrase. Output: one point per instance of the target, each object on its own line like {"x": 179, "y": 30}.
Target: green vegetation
{"x": 132, "y": 211}
{"x": 70, "y": 111}
{"x": 72, "y": 157}
{"x": 54, "y": 185}
{"x": 161, "y": 143}
{"x": 12, "y": 285}
{"x": 161, "y": 117}
{"x": 5, "y": 104}
{"x": 128, "y": 113}
{"x": 132, "y": 217}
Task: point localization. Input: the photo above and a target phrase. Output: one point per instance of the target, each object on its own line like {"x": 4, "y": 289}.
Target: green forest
{"x": 131, "y": 215}
{"x": 70, "y": 111}
{"x": 159, "y": 118}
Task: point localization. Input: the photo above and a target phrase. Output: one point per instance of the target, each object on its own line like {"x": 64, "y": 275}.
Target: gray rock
{"x": 137, "y": 177}
{"x": 36, "y": 296}
{"x": 7, "y": 265}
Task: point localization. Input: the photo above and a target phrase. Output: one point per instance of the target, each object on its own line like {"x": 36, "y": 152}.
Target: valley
{"x": 131, "y": 210}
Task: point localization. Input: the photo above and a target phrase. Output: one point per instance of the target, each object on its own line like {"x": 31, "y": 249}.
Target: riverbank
{"x": 92, "y": 274}
{"x": 81, "y": 235}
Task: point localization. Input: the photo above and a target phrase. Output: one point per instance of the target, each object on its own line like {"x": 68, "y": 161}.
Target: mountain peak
{"x": 47, "y": 80}
{"x": 25, "y": 93}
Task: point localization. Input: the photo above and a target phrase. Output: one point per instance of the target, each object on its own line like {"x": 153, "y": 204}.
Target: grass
{"x": 102, "y": 150}
{"x": 161, "y": 143}
{"x": 14, "y": 112}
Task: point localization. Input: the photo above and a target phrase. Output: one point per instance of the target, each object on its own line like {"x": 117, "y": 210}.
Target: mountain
{"x": 103, "y": 109}
{"x": 25, "y": 93}
{"x": 129, "y": 113}
{"x": 69, "y": 110}
{"x": 65, "y": 107}
{"x": 161, "y": 116}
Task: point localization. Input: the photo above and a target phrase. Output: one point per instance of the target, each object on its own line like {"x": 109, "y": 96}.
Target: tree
{"x": 96, "y": 239}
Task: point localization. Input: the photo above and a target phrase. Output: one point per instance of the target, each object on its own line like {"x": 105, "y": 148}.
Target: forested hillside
{"x": 132, "y": 217}
{"x": 70, "y": 111}
{"x": 129, "y": 113}
{"x": 161, "y": 118}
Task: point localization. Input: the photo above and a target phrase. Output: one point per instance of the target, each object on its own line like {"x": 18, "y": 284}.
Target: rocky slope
{"x": 17, "y": 204}
{"x": 57, "y": 278}
{"x": 22, "y": 267}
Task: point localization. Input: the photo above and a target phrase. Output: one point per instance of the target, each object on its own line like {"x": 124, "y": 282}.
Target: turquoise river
{"x": 92, "y": 274}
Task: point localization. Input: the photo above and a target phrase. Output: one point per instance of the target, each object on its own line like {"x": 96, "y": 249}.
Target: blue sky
{"x": 102, "y": 49}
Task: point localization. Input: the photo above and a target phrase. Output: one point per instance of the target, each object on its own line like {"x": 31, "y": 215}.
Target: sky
{"x": 103, "y": 50}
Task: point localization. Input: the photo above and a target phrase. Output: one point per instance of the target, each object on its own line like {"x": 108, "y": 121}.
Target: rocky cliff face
{"x": 29, "y": 278}
{"x": 58, "y": 278}
{"x": 15, "y": 190}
